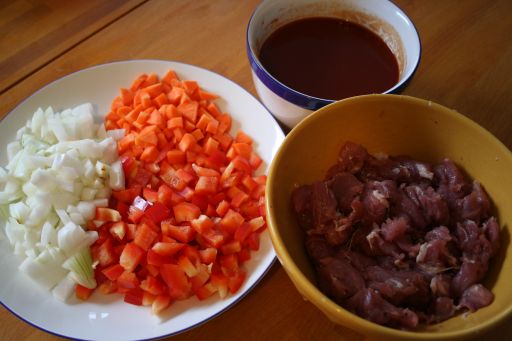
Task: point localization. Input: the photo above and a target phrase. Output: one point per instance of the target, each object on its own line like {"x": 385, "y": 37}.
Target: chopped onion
{"x": 116, "y": 175}
{"x": 48, "y": 235}
{"x": 46, "y": 269}
{"x": 81, "y": 268}
{"x": 64, "y": 288}
{"x": 116, "y": 134}
{"x": 61, "y": 167}
{"x": 72, "y": 237}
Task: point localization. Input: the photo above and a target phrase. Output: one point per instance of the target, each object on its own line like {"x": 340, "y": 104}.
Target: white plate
{"x": 108, "y": 317}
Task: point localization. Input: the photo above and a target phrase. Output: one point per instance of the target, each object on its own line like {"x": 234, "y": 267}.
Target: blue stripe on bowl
{"x": 283, "y": 91}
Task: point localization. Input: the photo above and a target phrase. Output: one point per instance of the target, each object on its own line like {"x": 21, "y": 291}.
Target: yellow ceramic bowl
{"x": 394, "y": 125}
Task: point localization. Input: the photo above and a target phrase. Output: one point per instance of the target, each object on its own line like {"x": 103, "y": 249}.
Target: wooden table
{"x": 466, "y": 64}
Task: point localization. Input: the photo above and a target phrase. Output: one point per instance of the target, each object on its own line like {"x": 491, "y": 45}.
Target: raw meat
{"x": 398, "y": 241}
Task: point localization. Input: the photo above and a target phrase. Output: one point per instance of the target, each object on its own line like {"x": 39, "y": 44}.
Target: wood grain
{"x": 32, "y": 33}
{"x": 466, "y": 59}
{"x": 466, "y": 65}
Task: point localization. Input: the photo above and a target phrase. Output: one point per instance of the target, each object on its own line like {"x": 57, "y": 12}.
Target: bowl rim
{"x": 309, "y": 291}
{"x": 311, "y": 102}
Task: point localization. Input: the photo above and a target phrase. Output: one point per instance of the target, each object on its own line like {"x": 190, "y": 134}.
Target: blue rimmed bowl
{"x": 380, "y": 16}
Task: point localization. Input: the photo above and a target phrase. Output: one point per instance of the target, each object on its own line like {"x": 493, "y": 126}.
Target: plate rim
{"x": 272, "y": 255}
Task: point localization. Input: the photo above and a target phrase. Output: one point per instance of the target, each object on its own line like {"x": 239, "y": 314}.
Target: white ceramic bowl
{"x": 380, "y": 16}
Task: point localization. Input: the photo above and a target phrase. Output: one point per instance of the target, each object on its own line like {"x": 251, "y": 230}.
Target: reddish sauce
{"x": 329, "y": 58}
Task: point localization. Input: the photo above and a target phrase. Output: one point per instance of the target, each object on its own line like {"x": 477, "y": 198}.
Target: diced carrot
{"x": 189, "y": 111}
{"x": 212, "y": 127}
{"x": 147, "y": 137}
{"x": 176, "y": 83}
{"x": 231, "y": 154}
{"x": 138, "y": 82}
{"x": 175, "y": 122}
{"x": 122, "y": 111}
{"x": 126, "y": 96}
{"x": 142, "y": 118}
{"x": 145, "y": 100}
{"x": 192, "y": 210}
{"x": 187, "y": 142}
{"x": 125, "y": 143}
{"x": 171, "y": 111}
{"x": 185, "y": 98}
{"x": 243, "y": 137}
{"x": 151, "y": 79}
{"x": 203, "y": 121}
{"x": 118, "y": 102}
{"x": 212, "y": 109}
{"x": 224, "y": 123}
{"x": 178, "y": 134}
{"x": 112, "y": 116}
{"x": 224, "y": 140}
{"x": 153, "y": 90}
{"x": 169, "y": 76}
{"x": 210, "y": 146}
{"x": 207, "y": 95}
{"x": 175, "y": 95}
{"x": 149, "y": 154}
{"x": 243, "y": 149}
{"x": 198, "y": 134}
{"x": 155, "y": 118}
{"x": 190, "y": 86}
{"x": 132, "y": 115}
{"x": 188, "y": 126}
{"x": 162, "y": 141}
{"x": 109, "y": 125}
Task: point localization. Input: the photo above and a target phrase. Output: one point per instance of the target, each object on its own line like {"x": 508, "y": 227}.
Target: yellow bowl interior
{"x": 393, "y": 125}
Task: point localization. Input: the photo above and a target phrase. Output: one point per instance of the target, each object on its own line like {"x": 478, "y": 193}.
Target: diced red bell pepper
{"x": 104, "y": 253}
{"x": 186, "y": 212}
{"x": 176, "y": 280}
{"x": 157, "y": 212}
{"x": 160, "y": 303}
{"x": 134, "y": 296}
{"x": 107, "y": 214}
{"x": 131, "y": 256}
{"x": 118, "y": 230}
{"x": 144, "y": 236}
{"x": 82, "y": 292}
{"x": 153, "y": 285}
{"x": 208, "y": 255}
{"x": 113, "y": 272}
{"x": 236, "y": 281}
{"x": 166, "y": 248}
{"x": 128, "y": 280}
{"x": 205, "y": 291}
{"x": 182, "y": 233}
